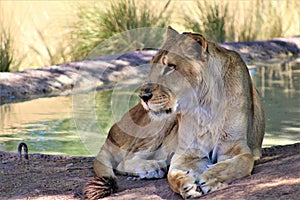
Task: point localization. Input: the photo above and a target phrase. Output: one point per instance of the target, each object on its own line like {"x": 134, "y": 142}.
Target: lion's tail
{"x": 99, "y": 187}
{"x": 105, "y": 182}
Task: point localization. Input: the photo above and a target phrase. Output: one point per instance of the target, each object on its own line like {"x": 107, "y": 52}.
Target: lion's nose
{"x": 145, "y": 94}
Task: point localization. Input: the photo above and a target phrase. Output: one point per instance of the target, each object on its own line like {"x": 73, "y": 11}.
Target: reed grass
{"x": 6, "y": 56}
{"x": 97, "y": 21}
{"x": 51, "y": 54}
{"x": 8, "y": 61}
{"x": 209, "y": 19}
{"x": 95, "y": 24}
{"x": 242, "y": 20}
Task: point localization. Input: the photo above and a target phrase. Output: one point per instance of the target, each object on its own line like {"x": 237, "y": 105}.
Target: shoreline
{"x": 103, "y": 72}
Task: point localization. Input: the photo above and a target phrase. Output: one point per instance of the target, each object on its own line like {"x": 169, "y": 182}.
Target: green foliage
{"x": 249, "y": 21}
{"x": 6, "y": 50}
{"x": 53, "y": 54}
{"x": 95, "y": 25}
{"x": 210, "y": 19}
{"x": 262, "y": 22}
{"x": 275, "y": 21}
{"x": 250, "y": 27}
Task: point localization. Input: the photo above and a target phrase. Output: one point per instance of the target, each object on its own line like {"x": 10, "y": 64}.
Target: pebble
{"x": 4, "y": 161}
{"x": 69, "y": 165}
{"x": 37, "y": 190}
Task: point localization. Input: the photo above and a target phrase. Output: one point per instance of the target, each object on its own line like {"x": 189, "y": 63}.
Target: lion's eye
{"x": 171, "y": 66}
{"x": 169, "y": 69}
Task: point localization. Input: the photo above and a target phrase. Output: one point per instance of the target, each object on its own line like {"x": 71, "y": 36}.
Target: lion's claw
{"x": 210, "y": 184}
{"x": 190, "y": 191}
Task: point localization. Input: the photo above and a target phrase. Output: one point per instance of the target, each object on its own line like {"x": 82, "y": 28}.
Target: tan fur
{"x": 200, "y": 105}
{"x": 135, "y": 146}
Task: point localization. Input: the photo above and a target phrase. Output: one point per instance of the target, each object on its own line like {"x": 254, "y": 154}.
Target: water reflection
{"x": 280, "y": 88}
{"x": 48, "y": 125}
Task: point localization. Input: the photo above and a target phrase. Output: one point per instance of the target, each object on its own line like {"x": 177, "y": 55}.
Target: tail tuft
{"x": 99, "y": 187}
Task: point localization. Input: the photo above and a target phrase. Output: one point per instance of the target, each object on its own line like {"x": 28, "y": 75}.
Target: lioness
{"x": 200, "y": 114}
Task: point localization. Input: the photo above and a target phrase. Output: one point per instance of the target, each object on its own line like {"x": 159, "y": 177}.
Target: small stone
{"x": 4, "y": 161}
{"x": 69, "y": 165}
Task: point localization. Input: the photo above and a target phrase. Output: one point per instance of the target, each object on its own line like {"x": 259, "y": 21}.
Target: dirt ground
{"x": 276, "y": 176}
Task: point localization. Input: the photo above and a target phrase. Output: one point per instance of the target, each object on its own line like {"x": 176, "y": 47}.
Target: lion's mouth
{"x": 155, "y": 108}
{"x": 159, "y": 113}
{"x": 166, "y": 111}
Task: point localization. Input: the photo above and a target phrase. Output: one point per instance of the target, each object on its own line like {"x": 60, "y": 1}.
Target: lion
{"x": 200, "y": 122}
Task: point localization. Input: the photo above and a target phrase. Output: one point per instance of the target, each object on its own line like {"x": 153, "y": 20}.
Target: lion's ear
{"x": 194, "y": 45}
{"x": 200, "y": 39}
{"x": 171, "y": 33}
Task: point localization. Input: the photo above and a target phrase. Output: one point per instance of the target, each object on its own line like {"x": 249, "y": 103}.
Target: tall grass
{"x": 266, "y": 20}
{"x": 275, "y": 20}
{"x": 241, "y": 20}
{"x": 52, "y": 54}
{"x": 95, "y": 24}
{"x": 248, "y": 28}
{"x": 209, "y": 19}
{"x": 219, "y": 20}
{"x": 7, "y": 51}
{"x": 6, "y": 54}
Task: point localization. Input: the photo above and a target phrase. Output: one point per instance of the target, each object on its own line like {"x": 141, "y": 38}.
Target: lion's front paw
{"x": 209, "y": 182}
{"x": 183, "y": 182}
{"x": 152, "y": 173}
{"x": 143, "y": 169}
{"x": 190, "y": 190}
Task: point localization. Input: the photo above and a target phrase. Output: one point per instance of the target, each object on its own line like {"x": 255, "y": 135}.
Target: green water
{"x": 78, "y": 124}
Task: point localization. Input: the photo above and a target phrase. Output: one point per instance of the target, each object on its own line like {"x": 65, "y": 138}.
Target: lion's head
{"x": 177, "y": 80}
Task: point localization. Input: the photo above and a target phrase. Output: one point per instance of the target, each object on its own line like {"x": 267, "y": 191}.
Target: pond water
{"x": 77, "y": 125}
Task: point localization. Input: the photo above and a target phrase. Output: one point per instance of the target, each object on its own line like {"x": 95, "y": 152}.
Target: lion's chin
{"x": 161, "y": 114}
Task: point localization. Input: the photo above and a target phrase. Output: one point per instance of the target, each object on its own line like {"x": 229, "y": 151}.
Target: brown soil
{"x": 276, "y": 176}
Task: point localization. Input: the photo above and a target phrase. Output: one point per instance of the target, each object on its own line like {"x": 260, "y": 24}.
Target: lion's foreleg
{"x": 141, "y": 166}
{"x": 183, "y": 174}
{"x": 220, "y": 174}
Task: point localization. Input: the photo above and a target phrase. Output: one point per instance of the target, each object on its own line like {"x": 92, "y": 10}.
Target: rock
{"x": 69, "y": 165}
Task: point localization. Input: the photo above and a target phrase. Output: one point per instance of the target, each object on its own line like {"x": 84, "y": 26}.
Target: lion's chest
{"x": 194, "y": 136}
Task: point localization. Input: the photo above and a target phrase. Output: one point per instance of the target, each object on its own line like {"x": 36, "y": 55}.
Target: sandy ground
{"x": 275, "y": 176}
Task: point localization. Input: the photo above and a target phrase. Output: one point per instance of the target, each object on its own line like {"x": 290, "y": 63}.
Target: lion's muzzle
{"x": 146, "y": 93}
{"x": 157, "y": 99}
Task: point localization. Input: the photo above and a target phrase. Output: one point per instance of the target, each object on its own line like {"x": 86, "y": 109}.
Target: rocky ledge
{"x": 104, "y": 72}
